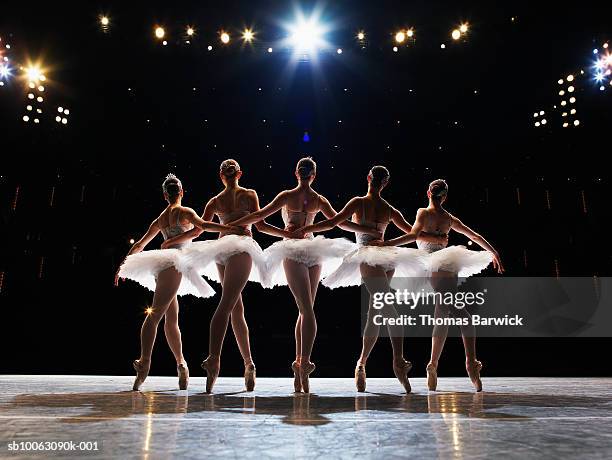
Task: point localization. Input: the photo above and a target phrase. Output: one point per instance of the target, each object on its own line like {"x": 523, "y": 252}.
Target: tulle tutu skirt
{"x": 460, "y": 260}
{"x": 407, "y": 263}
{"x": 144, "y": 267}
{"x": 327, "y": 252}
{"x": 203, "y": 256}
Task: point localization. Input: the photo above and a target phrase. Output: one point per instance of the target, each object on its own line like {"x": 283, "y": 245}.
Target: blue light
{"x": 5, "y": 71}
{"x": 306, "y": 137}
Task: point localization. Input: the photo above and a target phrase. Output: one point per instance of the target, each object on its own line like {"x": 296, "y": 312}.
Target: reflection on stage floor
{"x": 516, "y": 417}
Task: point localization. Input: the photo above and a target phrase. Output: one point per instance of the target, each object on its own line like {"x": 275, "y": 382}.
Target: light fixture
{"x": 225, "y": 38}
{"x": 361, "y": 35}
{"x": 400, "y": 36}
{"x": 160, "y": 32}
{"x": 456, "y": 34}
{"x": 190, "y": 31}
{"x": 248, "y": 35}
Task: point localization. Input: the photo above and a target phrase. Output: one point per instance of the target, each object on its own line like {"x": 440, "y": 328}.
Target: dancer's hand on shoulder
{"x": 497, "y": 264}
{"x": 166, "y": 243}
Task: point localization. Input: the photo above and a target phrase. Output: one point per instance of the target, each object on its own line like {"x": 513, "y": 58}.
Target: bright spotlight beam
{"x": 248, "y": 35}
{"x": 307, "y": 35}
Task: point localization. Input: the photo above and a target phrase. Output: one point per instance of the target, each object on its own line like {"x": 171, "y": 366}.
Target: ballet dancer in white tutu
{"x": 231, "y": 260}
{"x": 445, "y": 264}
{"x": 300, "y": 260}
{"x": 160, "y": 271}
{"x": 376, "y": 266}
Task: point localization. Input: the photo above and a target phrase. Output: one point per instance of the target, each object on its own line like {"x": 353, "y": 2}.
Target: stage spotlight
{"x": 64, "y": 121}
{"x": 5, "y": 71}
{"x": 400, "y": 36}
{"x": 28, "y": 107}
{"x": 225, "y": 38}
{"x": 570, "y": 78}
{"x": 41, "y": 88}
{"x": 570, "y": 89}
{"x": 131, "y": 240}
{"x": 33, "y": 73}
{"x": 576, "y": 122}
{"x": 544, "y": 121}
{"x": 36, "y": 120}
{"x": 30, "y": 96}
{"x": 104, "y": 21}
{"x": 456, "y": 34}
{"x": 535, "y": 115}
{"x": 148, "y": 310}
{"x": 443, "y": 46}
{"x": 541, "y": 112}
{"x": 26, "y": 118}
{"x": 361, "y": 35}
{"x": 572, "y": 100}
{"x": 209, "y": 48}
{"x": 560, "y": 81}
{"x": 160, "y": 32}
{"x": 58, "y": 119}
{"x": 60, "y": 109}
{"x": 573, "y": 111}
{"x": 563, "y": 103}
{"x": 565, "y": 125}
{"x": 561, "y": 93}
{"x": 66, "y": 112}
{"x": 248, "y": 35}
{"x": 463, "y": 28}
{"x": 190, "y": 31}
{"x": 39, "y": 99}
{"x": 410, "y": 33}
{"x": 339, "y": 51}
{"x": 270, "y": 50}
{"x": 307, "y": 35}
{"x": 395, "y": 49}
{"x": 537, "y": 124}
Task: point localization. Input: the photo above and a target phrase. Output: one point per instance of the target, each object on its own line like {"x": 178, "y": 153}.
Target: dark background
{"x": 71, "y": 196}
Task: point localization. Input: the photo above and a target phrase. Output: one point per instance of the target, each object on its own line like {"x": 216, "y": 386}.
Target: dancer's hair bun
{"x": 438, "y": 188}
{"x": 172, "y": 185}
{"x": 379, "y": 175}
{"x": 229, "y": 167}
{"x": 306, "y": 167}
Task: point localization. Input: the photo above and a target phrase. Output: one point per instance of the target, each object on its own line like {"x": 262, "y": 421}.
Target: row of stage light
{"x": 303, "y": 35}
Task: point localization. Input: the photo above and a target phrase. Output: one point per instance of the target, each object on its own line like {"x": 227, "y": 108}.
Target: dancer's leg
{"x": 237, "y": 270}
{"x": 298, "y": 279}
{"x": 377, "y": 280}
{"x": 168, "y": 282}
{"x": 173, "y": 332}
{"x": 239, "y": 324}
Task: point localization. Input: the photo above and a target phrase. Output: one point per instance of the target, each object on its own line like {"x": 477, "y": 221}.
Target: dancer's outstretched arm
{"x": 329, "y": 212}
{"x": 139, "y": 245}
{"x": 349, "y": 209}
{"x": 269, "y": 209}
{"x": 460, "y": 227}
{"x": 265, "y": 227}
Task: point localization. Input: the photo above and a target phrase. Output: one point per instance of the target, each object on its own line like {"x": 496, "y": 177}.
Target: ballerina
{"x": 158, "y": 270}
{"x": 229, "y": 260}
{"x": 375, "y": 266}
{"x": 300, "y": 262}
{"x": 445, "y": 265}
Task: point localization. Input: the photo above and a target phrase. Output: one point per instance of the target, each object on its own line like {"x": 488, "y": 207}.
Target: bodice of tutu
{"x": 174, "y": 230}
{"x": 225, "y": 217}
{"x": 430, "y": 247}
{"x": 298, "y": 219}
{"x": 363, "y": 238}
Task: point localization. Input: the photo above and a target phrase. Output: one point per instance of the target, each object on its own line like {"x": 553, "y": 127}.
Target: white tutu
{"x": 327, "y": 252}
{"x": 203, "y": 256}
{"x": 143, "y": 267}
{"x": 460, "y": 260}
{"x": 407, "y": 263}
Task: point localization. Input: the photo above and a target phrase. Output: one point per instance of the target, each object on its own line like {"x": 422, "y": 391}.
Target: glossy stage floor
{"x": 513, "y": 417}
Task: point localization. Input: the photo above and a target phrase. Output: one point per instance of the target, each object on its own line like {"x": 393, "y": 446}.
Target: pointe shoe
{"x": 473, "y": 370}
{"x": 432, "y": 377}
{"x": 183, "y": 375}
{"x": 305, "y": 371}
{"x": 360, "y": 377}
{"x": 249, "y": 377}
{"x": 297, "y": 383}
{"x": 212, "y": 372}
{"x": 142, "y": 372}
{"x": 401, "y": 372}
